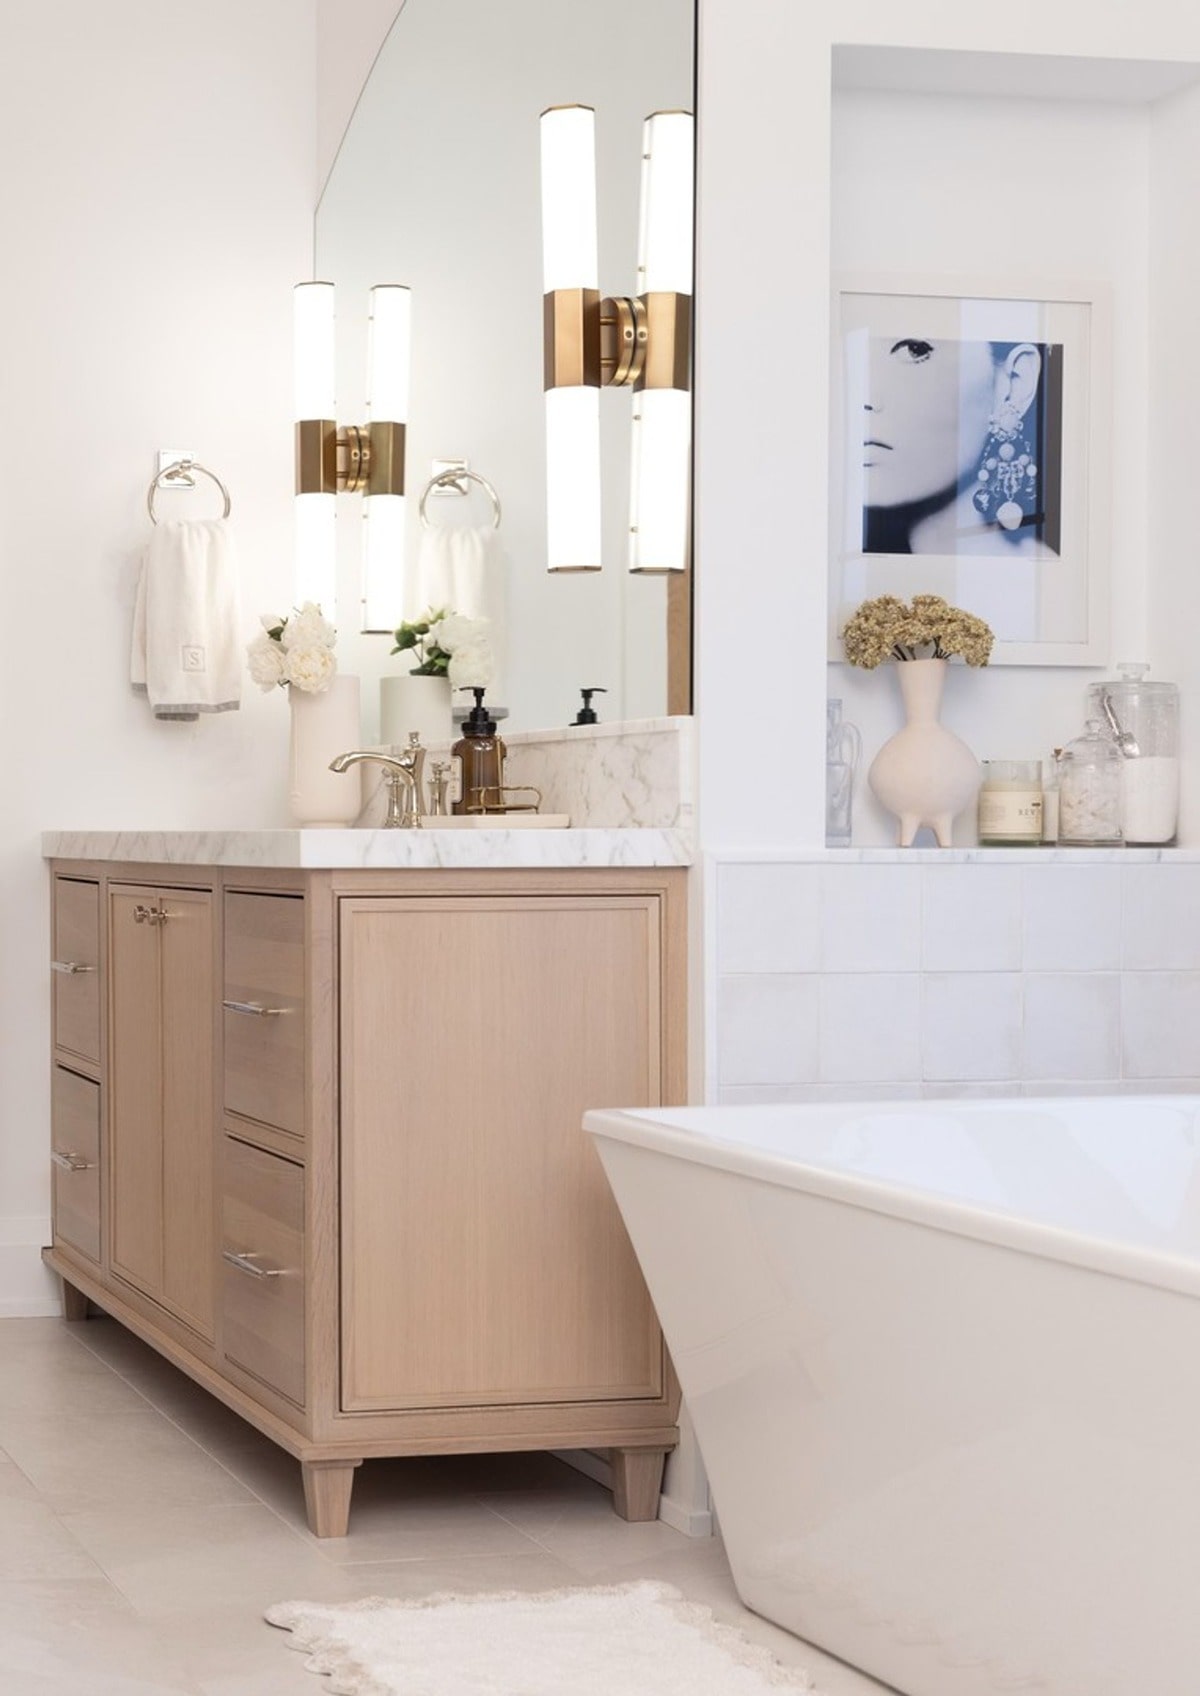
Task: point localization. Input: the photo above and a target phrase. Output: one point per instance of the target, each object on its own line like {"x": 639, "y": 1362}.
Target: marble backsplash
{"x": 632, "y": 776}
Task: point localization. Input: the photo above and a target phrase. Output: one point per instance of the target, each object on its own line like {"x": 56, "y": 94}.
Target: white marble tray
{"x": 497, "y": 821}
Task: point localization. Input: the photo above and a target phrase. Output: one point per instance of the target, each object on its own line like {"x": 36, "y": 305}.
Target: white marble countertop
{"x": 347, "y": 849}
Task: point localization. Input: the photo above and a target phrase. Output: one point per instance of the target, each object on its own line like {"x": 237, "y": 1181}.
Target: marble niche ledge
{"x": 1050, "y": 854}
{"x": 349, "y": 849}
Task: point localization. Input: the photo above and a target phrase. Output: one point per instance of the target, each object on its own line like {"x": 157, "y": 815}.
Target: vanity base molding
{"x": 391, "y": 1236}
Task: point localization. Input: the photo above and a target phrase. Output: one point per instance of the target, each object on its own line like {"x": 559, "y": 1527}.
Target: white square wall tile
{"x": 1072, "y": 1025}
{"x": 871, "y": 918}
{"x": 1160, "y": 1024}
{"x": 767, "y": 1029}
{"x": 971, "y": 918}
{"x": 1072, "y": 918}
{"x": 870, "y": 1027}
{"x": 971, "y": 1026}
{"x": 768, "y": 918}
{"x": 1161, "y": 925}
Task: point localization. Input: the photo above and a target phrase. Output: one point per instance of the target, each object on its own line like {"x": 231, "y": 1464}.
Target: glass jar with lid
{"x": 1089, "y": 790}
{"x": 1143, "y": 716}
{"x": 1010, "y": 804}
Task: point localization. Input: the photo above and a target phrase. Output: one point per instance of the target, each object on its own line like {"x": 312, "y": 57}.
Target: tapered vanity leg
{"x": 75, "y": 1303}
{"x": 327, "y": 1487}
{"x": 637, "y": 1482}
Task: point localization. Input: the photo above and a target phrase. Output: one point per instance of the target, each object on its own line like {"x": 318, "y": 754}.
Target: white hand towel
{"x": 186, "y": 655}
{"x": 461, "y": 567}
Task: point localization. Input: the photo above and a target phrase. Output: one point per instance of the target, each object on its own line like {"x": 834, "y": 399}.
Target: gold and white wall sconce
{"x": 640, "y": 341}
{"x": 366, "y": 459}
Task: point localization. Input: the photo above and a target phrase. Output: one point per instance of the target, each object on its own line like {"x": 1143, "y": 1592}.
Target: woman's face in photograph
{"x": 925, "y": 416}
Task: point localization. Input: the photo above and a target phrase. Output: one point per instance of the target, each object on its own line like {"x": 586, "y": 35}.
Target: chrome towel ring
{"x": 185, "y": 465}
{"x": 445, "y": 479}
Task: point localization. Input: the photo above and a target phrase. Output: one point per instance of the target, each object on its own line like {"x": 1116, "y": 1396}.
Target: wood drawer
{"x": 262, "y": 1267}
{"x": 264, "y": 1009}
{"x": 76, "y": 968}
{"x": 75, "y": 1145}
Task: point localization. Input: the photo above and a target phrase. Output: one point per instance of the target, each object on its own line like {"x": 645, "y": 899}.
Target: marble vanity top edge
{"x": 596, "y": 732}
{"x": 315, "y": 849}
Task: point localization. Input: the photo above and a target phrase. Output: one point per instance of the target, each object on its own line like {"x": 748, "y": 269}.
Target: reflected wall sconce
{"x": 640, "y": 341}
{"x": 366, "y": 459}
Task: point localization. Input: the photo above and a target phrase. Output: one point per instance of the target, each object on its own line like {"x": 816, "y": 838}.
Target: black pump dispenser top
{"x": 587, "y": 713}
{"x": 478, "y": 722}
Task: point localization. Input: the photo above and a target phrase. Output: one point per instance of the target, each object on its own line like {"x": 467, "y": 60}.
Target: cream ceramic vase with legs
{"x": 323, "y": 726}
{"x": 925, "y": 774}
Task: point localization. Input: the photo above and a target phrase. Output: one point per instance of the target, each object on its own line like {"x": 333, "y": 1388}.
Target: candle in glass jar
{"x": 1010, "y": 803}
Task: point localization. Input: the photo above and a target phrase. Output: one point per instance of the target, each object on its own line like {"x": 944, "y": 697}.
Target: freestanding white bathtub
{"x": 943, "y": 1361}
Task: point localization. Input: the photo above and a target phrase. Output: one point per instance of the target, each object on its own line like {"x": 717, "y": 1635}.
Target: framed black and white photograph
{"x": 969, "y": 458}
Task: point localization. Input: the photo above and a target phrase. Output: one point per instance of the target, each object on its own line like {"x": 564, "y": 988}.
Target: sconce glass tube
{"x": 572, "y": 379}
{"x": 316, "y": 439}
{"x": 387, "y": 412}
{"x": 660, "y": 481}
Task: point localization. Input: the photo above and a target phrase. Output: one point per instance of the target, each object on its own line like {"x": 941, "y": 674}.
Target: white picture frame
{"x": 1037, "y": 572}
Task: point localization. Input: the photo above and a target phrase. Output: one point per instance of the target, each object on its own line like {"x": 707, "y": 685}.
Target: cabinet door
{"x": 483, "y": 1258}
{"x": 135, "y": 1088}
{"x": 161, "y": 1126}
{"x": 75, "y": 1151}
{"x": 76, "y": 968}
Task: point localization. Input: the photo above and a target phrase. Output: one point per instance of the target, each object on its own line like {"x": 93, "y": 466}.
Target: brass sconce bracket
{"x": 625, "y": 341}
{"x": 355, "y": 458}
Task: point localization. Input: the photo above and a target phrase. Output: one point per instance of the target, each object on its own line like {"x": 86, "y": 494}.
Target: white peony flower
{"x": 311, "y": 669}
{"x": 308, "y": 629}
{"x": 471, "y": 666}
{"x": 270, "y": 620}
{"x": 265, "y": 662}
{"x": 457, "y": 631}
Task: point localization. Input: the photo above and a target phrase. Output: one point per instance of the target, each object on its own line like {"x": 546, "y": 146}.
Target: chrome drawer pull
{"x": 254, "y": 1007}
{"x": 247, "y": 1262}
{"x": 70, "y": 966}
{"x": 72, "y": 1162}
{"x": 143, "y": 914}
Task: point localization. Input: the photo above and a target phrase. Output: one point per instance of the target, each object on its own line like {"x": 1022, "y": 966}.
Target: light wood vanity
{"x": 316, "y": 1138}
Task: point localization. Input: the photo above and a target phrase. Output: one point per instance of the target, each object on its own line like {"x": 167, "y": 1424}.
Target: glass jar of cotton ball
{"x": 1089, "y": 796}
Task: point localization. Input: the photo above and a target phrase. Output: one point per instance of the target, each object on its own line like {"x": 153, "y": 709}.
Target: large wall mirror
{"x": 437, "y": 186}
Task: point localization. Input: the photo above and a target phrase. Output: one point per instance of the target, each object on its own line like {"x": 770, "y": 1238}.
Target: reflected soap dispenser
{"x": 587, "y": 712}
{"x": 480, "y": 755}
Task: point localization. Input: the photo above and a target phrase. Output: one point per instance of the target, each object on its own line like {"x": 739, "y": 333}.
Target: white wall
{"x": 350, "y": 34}
{"x": 156, "y": 206}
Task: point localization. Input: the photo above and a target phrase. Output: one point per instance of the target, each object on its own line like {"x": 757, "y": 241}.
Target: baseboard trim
{"x": 693, "y": 1522}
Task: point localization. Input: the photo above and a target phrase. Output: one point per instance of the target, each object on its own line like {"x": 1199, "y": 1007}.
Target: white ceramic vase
{"x": 323, "y": 726}
{"x": 925, "y": 774}
{"x": 408, "y": 703}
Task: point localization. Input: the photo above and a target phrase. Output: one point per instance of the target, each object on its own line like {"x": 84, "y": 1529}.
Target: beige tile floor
{"x": 144, "y": 1529}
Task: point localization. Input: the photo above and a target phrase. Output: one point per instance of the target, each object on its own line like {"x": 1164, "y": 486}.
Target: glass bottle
{"x": 843, "y": 750}
{"x": 1089, "y": 790}
{"x": 1143, "y": 717}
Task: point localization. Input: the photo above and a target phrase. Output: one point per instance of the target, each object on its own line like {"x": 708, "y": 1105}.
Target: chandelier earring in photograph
{"x": 1007, "y": 475}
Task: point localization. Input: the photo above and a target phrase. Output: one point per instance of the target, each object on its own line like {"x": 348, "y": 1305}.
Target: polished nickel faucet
{"x": 402, "y": 774}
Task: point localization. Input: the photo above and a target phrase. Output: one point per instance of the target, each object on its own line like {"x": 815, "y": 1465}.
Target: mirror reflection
{"x": 437, "y": 186}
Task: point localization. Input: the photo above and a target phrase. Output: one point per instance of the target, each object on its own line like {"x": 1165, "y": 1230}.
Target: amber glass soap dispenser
{"x": 480, "y": 754}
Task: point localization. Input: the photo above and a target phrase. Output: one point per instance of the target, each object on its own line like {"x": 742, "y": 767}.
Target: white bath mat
{"x": 631, "y": 1640}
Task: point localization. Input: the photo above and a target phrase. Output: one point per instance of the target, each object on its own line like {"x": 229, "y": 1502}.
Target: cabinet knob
{"x": 72, "y": 1162}
{"x": 71, "y": 967}
{"x": 255, "y": 1009}
{"x": 247, "y": 1262}
{"x": 143, "y": 915}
